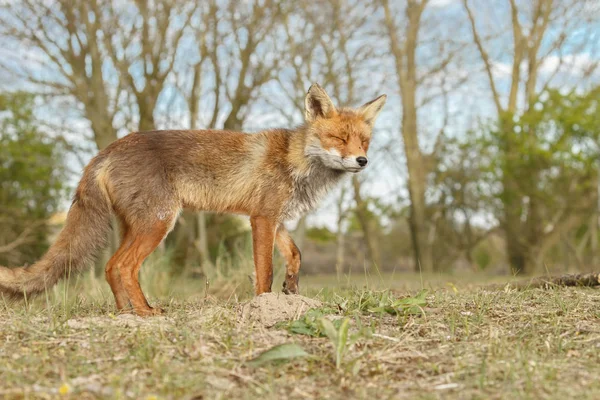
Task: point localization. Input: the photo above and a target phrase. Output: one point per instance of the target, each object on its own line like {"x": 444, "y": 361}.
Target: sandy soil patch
{"x": 121, "y": 321}
{"x": 271, "y": 308}
{"x": 265, "y": 310}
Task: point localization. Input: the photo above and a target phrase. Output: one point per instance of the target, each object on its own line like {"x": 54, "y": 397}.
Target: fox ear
{"x": 317, "y": 104}
{"x": 371, "y": 110}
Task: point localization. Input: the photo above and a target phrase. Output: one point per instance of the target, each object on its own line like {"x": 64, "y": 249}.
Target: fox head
{"x": 339, "y": 138}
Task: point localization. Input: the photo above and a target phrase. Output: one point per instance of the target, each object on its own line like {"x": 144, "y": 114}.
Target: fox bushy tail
{"x": 83, "y": 236}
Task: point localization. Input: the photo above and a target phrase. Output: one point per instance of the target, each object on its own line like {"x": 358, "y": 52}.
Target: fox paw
{"x": 149, "y": 312}
{"x": 290, "y": 284}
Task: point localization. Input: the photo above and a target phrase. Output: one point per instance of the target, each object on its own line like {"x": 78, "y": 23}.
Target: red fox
{"x": 146, "y": 178}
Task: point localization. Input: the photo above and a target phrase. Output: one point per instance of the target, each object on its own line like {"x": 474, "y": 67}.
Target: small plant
{"x": 338, "y": 337}
{"x": 309, "y": 324}
{"x": 386, "y": 302}
{"x": 282, "y": 352}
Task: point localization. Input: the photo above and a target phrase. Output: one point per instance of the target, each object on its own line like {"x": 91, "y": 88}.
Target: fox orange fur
{"x": 146, "y": 178}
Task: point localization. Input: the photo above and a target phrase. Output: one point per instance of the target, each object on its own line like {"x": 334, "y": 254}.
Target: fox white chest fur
{"x": 308, "y": 190}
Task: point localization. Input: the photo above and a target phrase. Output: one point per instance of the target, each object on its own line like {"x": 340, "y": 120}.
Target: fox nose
{"x": 362, "y": 161}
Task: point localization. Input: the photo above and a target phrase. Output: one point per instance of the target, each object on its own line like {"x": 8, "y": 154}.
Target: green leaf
{"x": 412, "y": 305}
{"x": 329, "y": 330}
{"x": 342, "y": 336}
{"x": 309, "y": 324}
{"x": 302, "y": 328}
{"x": 282, "y": 352}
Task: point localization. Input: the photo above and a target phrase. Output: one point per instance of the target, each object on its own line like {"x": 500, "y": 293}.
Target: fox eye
{"x": 339, "y": 139}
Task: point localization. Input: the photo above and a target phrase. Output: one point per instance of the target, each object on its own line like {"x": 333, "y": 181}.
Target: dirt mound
{"x": 271, "y": 308}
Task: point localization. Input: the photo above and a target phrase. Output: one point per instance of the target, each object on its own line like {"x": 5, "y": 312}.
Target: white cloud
{"x": 574, "y": 64}
{"x": 501, "y": 69}
{"x": 565, "y": 71}
{"x": 441, "y": 3}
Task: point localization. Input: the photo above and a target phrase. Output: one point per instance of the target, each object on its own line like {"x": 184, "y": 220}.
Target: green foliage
{"x": 482, "y": 257}
{"x": 385, "y": 302}
{"x": 315, "y": 323}
{"x": 309, "y": 324}
{"x": 32, "y": 178}
{"x": 551, "y": 148}
{"x": 282, "y": 352}
{"x": 547, "y": 163}
{"x": 366, "y": 302}
{"x": 338, "y": 335}
{"x": 534, "y": 172}
{"x": 320, "y": 234}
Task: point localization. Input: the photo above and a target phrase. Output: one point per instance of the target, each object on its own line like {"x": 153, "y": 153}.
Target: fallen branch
{"x": 587, "y": 280}
{"x": 23, "y": 238}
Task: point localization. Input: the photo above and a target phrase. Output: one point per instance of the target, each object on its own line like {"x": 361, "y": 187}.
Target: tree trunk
{"x": 404, "y": 53}
{"x": 300, "y": 232}
{"x": 512, "y": 202}
{"x": 339, "y": 254}
{"x": 146, "y": 124}
{"x": 363, "y": 219}
{"x": 202, "y": 242}
{"x": 595, "y": 225}
{"x": 517, "y": 257}
{"x": 516, "y": 251}
{"x": 146, "y": 106}
{"x": 416, "y": 187}
{"x": 182, "y": 241}
{"x": 423, "y": 260}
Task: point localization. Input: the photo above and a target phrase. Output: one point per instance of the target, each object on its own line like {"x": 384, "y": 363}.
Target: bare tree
{"x": 251, "y": 58}
{"x": 143, "y": 46}
{"x": 64, "y": 57}
{"x": 362, "y": 214}
{"x": 403, "y": 28}
{"x": 98, "y": 52}
{"x": 342, "y": 216}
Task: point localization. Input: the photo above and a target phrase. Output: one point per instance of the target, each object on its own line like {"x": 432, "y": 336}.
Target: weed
{"x": 338, "y": 337}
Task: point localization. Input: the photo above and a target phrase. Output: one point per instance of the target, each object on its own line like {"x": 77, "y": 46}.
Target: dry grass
{"x": 464, "y": 343}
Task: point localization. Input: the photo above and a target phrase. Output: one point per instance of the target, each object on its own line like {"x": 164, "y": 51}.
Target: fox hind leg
{"x": 142, "y": 244}
{"x": 288, "y": 249}
{"x": 114, "y": 277}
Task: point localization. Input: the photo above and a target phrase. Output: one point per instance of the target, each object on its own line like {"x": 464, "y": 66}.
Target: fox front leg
{"x": 263, "y": 237}
{"x": 291, "y": 253}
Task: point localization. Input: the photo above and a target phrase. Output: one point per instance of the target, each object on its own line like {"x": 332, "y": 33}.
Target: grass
{"x": 455, "y": 341}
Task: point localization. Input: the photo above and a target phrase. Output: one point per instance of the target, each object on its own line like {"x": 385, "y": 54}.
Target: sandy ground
{"x": 265, "y": 310}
